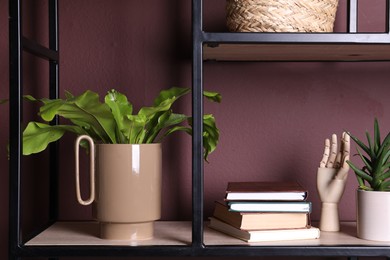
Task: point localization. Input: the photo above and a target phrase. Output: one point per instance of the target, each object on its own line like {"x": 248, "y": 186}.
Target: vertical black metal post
{"x": 387, "y": 28}
{"x": 197, "y": 136}
{"x": 15, "y": 117}
{"x": 352, "y": 16}
{"x": 53, "y": 93}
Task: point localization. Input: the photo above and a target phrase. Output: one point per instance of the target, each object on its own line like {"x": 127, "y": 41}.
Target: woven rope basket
{"x": 281, "y": 15}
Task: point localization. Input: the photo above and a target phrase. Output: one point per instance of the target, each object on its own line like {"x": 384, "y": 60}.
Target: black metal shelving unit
{"x": 350, "y": 46}
{"x": 17, "y": 45}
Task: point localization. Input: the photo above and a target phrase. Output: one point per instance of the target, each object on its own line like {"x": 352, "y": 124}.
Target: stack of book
{"x": 264, "y": 211}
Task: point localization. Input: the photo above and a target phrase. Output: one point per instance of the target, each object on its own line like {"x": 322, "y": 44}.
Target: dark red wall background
{"x": 273, "y": 119}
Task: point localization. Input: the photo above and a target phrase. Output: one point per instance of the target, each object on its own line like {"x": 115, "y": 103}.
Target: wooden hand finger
{"x": 333, "y": 152}
{"x": 346, "y": 144}
{"x": 325, "y": 156}
{"x": 337, "y": 163}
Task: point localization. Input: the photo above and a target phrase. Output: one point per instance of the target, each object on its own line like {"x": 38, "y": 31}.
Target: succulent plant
{"x": 375, "y": 173}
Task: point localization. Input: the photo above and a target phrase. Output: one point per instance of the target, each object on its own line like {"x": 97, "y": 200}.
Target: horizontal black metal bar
{"x": 39, "y": 50}
{"x": 104, "y": 251}
{"x": 297, "y": 61}
{"x": 223, "y": 250}
{"x": 299, "y": 38}
{"x": 249, "y": 250}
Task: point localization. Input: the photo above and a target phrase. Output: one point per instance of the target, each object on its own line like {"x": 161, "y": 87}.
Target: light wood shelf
{"x": 87, "y": 234}
{"x": 178, "y": 233}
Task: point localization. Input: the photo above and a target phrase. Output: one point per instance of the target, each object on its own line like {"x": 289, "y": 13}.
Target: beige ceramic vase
{"x": 126, "y": 190}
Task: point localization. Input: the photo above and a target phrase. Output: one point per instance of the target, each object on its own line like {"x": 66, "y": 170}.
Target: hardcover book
{"x": 271, "y": 191}
{"x": 256, "y": 221}
{"x": 265, "y": 235}
{"x": 268, "y": 206}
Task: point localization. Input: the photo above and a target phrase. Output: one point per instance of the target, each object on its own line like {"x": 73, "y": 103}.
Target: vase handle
{"x": 91, "y": 172}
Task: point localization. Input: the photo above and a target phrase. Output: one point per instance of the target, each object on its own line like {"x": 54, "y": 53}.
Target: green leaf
{"x": 150, "y": 112}
{"x": 212, "y": 96}
{"x": 153, "y": 122}
{"x": 384, "y": 175}
{"x": 384, "y": 186}
{"x": 37, "y": 136}
{"x": 365, "y": 160}
{"x": 120, "y": 109}
{"x": 119, "y": 105}
{"x": 173, "y": 119}
{"x": 136, "y": 131}
{"x": 50, "y": 108}
{"x": 380, "y": 162}
{"x": 377, "y": 136}
{"x": 359, "y": 172}
{"x": 150, "y": 116}
{"x": 371, "y": 146}
{"x": 360, "y": 144}
{"x": 30, "y": 98}
{"x": 385, "y": 166}
{"x": 364, "y": 187}
{"x": 68, "y": 95}
{"x": 210, "y": 135}
{"x": 163, "y": 121}
{"x": 153, "y": 127}
{"x": 360, "y": 180}
{"x": 85, "y": 111}
{"x": 384, "y": 147}
{"x": 172, "y": 93}
{"x": 188, "y": 130}
{"x": 384, "y": 158}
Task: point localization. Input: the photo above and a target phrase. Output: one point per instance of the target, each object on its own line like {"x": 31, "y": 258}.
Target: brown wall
{"x": 273, "y": 118}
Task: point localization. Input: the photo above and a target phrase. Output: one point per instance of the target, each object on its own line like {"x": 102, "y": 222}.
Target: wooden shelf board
{"x": 178, "y": 233}
{"x": 297, "y": 52}
{"x": 87, "y": 234}
{"x": 346, "y": 236}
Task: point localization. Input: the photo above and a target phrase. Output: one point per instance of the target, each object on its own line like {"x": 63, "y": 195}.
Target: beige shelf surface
{"x": 178, "y": 233}
{"x": 87, "y": 233}
{"x": 297, "y": 52}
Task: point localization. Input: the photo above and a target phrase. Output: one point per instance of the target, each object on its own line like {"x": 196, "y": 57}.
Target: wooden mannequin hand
{"x": 337, "y": 159}
{"x": 333, "y": 171}
{"x": 331, "y": 179}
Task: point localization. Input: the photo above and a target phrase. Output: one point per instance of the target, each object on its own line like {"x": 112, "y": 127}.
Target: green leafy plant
{"x": 375, "y": 172}
{"x": 113, "y": 121}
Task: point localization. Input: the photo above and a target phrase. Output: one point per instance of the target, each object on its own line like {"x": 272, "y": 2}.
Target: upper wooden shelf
{"x": 230, "y": 46}
{"x": 296, "y": 52}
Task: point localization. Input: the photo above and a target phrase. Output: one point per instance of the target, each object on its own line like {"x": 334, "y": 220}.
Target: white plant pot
{"x": 373, "y": 215}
